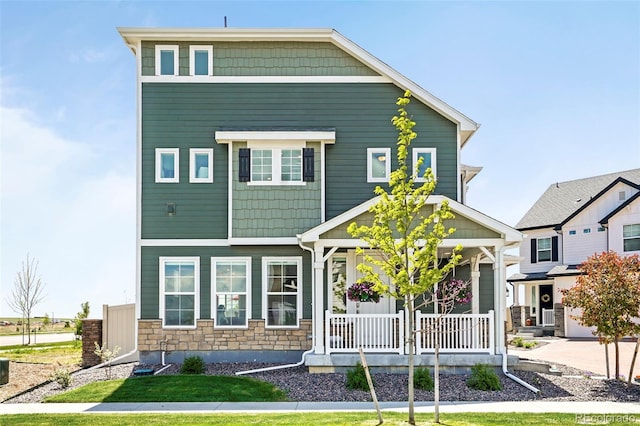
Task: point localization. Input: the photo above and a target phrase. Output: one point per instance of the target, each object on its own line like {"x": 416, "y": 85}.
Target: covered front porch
{"x": 473, "y": 333}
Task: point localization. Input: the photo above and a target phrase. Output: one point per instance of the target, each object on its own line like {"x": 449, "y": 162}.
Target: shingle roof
{"x": 563, "y": 199}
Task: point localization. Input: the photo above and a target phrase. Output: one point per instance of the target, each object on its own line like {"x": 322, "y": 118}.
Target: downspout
{"x": 499, "y": 262}
{"x": 313, "y": 322}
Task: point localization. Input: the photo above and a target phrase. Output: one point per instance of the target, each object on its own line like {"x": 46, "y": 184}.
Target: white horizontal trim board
{"x": 275, "y": 137}
{"x": 178, "y": 242}
{"x": 264, "y": 79}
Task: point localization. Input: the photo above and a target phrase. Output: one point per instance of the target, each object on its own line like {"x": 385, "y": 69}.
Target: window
{"x": 167, "y": 169}
{"x": 231, "y": 283}
{"x": 572, "y": 232}
{"x": 428, "y": 157}
{"x": 167, "y": 59}
{"x": 179, "y": 281}
{"x": 622, "y": 195}
{"x": 631, "y": 237}
{"x": 282, "y": 278}
{"x": 201, "y": 165}
{"x": 200, "y": 60}
{"x": 544, "y": 249}
{"x": 601, "y": 229}
{"x": 274, "y": 166}
{"x": 586, "y": 231}
{"x": 378, "y": 164}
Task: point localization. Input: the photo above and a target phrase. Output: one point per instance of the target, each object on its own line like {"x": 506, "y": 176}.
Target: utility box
{"x": 4, "y": 371}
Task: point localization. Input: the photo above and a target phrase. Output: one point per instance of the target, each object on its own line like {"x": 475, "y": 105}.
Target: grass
{"x": 183, "y": 388}
{"x": 62, "y": 353}
{"x": 298, "y": 418}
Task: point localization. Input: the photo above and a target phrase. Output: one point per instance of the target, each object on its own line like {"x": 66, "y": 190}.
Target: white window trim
{"x": 633, "y": 237}
{"x": 192, "y": 59}
{"x": 418, "y": 151}
{"x": 192, "y": 165}
{"x": 214, "y": 307}
{"x": 276, "y": 148}
{"x": 265, "y": 262}
{"x": 550, "y": 249}
{"x": 176, "y": 165}
{"x": 176, "y": 58}
{"x": 196, "y": 292}
{"x": 387, "y": 153}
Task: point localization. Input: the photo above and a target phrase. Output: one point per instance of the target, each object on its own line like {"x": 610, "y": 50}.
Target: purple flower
{"x": 363, "y": 292}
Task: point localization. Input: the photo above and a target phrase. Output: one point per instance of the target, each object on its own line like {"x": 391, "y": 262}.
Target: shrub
{"x": 357, "y": 378}
{"x": 62, "y": 377}
{"x": 422, "y": 379}
{"x": 192, "y": 365}
{"x": 483, "y": 377}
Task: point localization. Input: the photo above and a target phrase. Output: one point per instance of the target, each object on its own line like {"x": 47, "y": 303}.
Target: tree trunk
{"x": 633, "y": 360}
{"x": 606, "y": 358}
{"x": 411, "y": 341}
{"x": 436, "y": 380}
{"x": 615, "y": 342}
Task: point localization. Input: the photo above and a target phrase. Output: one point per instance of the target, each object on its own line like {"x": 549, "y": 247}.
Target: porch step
{"x": 525, "y": 335}
{"x": 537, "y": 367}
{"x": 534, "y": 331}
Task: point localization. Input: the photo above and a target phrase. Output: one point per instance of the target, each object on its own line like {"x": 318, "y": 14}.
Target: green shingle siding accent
{"x": 150, "y": 267}
{"x": 275, "y": 211}
{"x": 267, "y": 59}
{"x": 466, "y": 228}
{"x": 186, "y": 115}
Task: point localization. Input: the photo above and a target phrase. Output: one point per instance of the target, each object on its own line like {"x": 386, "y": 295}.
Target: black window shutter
{"x": 244, "y": 168}
{"x": 554, "y": 249}
{"x": 308, "y": 172}
{"x": 534, "y": 250}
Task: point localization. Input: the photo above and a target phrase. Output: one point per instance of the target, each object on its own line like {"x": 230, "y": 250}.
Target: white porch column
{"x": 318, "y": 299}
{"x": 499, "y": 301}
{"x": 475, "y": 284}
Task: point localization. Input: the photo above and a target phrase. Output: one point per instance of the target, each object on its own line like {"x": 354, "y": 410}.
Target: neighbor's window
{"x": 572, "y": 232}
{"x": 544, "y": 249}
{"x": 282, "y": 281}
{"x": 586, "y": 231}
{"x": 167, "y": 165}
{"x": 231, "y": 283}
{"x": 378, "y": 164}
{"x": 167, "y": 57}
{"x": 200, "y": 60}
{"x": 428, "y": 157}
{"x": 179, "y": 283}
{"x": 201, "y": 165}
{"x": 631, "y": 237}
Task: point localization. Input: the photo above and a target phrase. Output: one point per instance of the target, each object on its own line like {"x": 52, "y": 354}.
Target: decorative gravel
{"x": 573, "y": 385}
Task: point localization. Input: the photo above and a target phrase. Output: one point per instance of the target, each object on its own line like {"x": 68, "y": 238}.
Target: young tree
{"x": 608, "y": 292}
{"x": 83, "y": 314}
{"x": 27, "y": 292}
{"x": 46, "y": 321}
{"x": 405, "y": 235}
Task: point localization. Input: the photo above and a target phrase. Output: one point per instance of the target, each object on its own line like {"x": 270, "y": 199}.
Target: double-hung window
{"x": 277, "y": 164}
{"x": 179, "y": 283}
{"x": 427, "y": 159}
{"x": 282, "y": 281}
{"x": 200, "y": 60}
{"x": 378, "y": 164}
{"x": 167, "y": 59}
{"x": 167, "y": 165}
{"x": 231, "y": 282}
{"x": 201, "y": 165}
{"x": 631, "y": 237}
{"x": 544, "y": 249}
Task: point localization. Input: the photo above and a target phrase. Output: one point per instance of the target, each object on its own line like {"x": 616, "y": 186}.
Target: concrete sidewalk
{"x": 584, "y": 408}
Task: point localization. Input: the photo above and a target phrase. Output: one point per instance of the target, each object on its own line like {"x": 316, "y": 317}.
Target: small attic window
{"x": 622, "y": 195}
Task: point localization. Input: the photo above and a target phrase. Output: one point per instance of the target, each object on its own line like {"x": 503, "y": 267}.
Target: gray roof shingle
{"x": 563, "y": 199}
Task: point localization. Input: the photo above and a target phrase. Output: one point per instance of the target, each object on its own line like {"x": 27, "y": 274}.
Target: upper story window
{"x": 586, "y": 231}
{"x": 427, "y": 156}
{"x": 167, "y": 59}
{"x": 544, "y": 249}
{"x": 282, "y": 281}
{"x": 201, "y": 165}
{"x": 231, "y": 283}
{"x": 179, "y": 283}
{"x": 572, "y": 232}
{"x": 378, "y": 164}
{"x": 167, "y": 165}
{"x": 631, "y": 237}
{"x": 200, "y": 60}
{"x": 281, "y": 164}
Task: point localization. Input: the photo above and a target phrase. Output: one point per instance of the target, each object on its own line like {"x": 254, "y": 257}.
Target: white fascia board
{"x": 225, "y": 34}
{"x": 178, "y": 242}
{"x": 314, "y": 233}
{"x": 265, "y": 79}
{"x": 278, "y": 241}
{"x": 227, "y": 137}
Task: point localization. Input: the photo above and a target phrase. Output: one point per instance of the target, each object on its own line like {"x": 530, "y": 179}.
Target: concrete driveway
{"x": 584, "y": 354}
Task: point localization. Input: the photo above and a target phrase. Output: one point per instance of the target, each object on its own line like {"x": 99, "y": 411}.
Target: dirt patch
{"x": 25, "y": 375}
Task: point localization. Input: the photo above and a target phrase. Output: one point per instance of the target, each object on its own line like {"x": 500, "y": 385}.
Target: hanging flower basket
{"x": 459, "y": 290}
{"x": 363, "y": 292}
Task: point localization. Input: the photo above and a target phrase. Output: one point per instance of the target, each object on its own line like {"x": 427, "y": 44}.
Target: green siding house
{"x": 255, "y": 150}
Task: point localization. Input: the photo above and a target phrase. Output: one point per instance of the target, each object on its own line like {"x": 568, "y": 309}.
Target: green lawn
{"x": 174, "y": 388}
{"x": 299, "y": 419}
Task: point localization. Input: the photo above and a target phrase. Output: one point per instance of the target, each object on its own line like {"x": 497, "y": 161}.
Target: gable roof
{"x": 132, "y": 36}
{"x": 631, "y": 199}
{"x": 564, "y": 200}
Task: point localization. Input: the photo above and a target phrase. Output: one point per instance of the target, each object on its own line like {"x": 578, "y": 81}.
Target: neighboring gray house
{"x": 569, "y": 223}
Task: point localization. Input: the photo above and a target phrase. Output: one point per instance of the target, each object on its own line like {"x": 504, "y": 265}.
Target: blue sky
{"x": 555, "y": 85}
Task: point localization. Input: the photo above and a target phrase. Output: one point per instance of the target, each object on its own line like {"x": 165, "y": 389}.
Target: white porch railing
{"x": 371, "y": 332}
{"x": 455, "y": 333}
{"x": 548, "y": 317}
